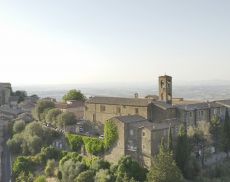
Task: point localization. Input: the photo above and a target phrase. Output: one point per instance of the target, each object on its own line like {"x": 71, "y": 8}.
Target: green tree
{"x": 164, "y": 168}
{"x": 103, "y": 176}
{"x": 34, "y": 128}
{"x": 50, "y": 166}
{"x": 85, "y": 176}
{"x": 41, "y": 107}
{"x": 24, "y": 177}
{"x": 19, "y": 126}
{"x": 65, "y": 119}
{"x": 74, "y": 95}
{"x": 70, "y": 169}
{"x": 21, "y": 94}
{"x": 34, "y": 144}
{"x": 22, "y": 164}
{"x": 182, "y": 150}
{"x": 49, "y": 153}
{"x": 225, "y": 137}
{"x": 215, "y": 130}
{"x": 40, "y": 179}
{"x": 170, "y": 139}
{"x": 52, "y": 115}
{"x": 15, "y": 143}
{"x": 100, "y": 164}
{"x": 127, "y": 166}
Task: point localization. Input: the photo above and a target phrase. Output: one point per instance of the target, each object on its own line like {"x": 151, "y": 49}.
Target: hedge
{"x": 94, "y": 145}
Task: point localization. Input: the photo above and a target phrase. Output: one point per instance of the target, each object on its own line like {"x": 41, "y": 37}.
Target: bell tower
{"x": 165, "y": 89}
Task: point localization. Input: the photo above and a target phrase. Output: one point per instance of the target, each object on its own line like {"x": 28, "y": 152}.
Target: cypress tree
{"x": 164, "y": 168}
{"x": 226, "y": 134}
{"x": 182, "y": 150}
{"x": 170, "y": 140}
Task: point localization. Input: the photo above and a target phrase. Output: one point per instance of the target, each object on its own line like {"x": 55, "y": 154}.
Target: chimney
{"x": 136, "y": 96}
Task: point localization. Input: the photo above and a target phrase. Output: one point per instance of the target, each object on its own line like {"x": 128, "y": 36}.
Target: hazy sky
{"x": 71, "y": 41}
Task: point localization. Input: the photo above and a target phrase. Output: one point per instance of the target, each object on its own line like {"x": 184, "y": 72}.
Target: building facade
{"x": 100, "y": 109}
{"x": 5, "y": 93}
{"x": 139, "y": 138}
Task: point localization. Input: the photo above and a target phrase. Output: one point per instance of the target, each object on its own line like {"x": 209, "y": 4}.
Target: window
{"x": 190, "y": 114}
{"x": 202, "y": 113}
{"x": 118, "y": 110}
{"x": 124, "y": 107}
{"x": 143, "y": 146}
{"x": 131, "y": 132}
{"x": 102, "y": 108}
{"x": 143, "y": 133}
{"x": 215, "y": 111}
{"x": 136, "y": 111}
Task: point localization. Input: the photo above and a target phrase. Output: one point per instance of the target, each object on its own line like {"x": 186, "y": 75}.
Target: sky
{"x": 105, "y": 41}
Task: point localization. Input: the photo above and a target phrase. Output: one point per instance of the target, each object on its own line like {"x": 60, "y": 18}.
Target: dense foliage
{"x": 85, "y": 176}
{"x": 20, "y": 94}
{"x": 66, "y": 118}
{"x": 110, "y": 134}
{"x": 92, "y": 145}
{"x": 182, "y": 153}
{"x": 19, "y": 126}
{"x": 32, "y": 139}
{"x": 95, "y": 145}
{"x": 225, "y": 138}
{"x": 22, "y": 164}
{"x": 164, "y": 168}
{"x": 40, "y": 179}
{"x": 52, "y": 116}
{"x": 131, "y": 169}
{"x": 74, "y": 95}
{"x": 42, "y": 108}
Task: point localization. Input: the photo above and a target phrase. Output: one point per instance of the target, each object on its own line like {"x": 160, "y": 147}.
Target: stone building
{"x": 139, "y": 138}
{"x": 193, "y": 113}
{"x": 76, "y": 107}
{"x": 143, "y": 122}
{"x": 100, "y": 109}
{"x": 5, "y": 93}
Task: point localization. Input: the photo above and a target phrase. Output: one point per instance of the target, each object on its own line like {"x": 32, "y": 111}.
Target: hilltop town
{"x": 109, "y": 129}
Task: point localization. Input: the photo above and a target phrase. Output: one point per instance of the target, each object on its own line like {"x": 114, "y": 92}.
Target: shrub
{"x": 40, "y": 179}
{"x": 93, "y": 145}
{"x": 22, "y": 164}
{"x": 85, "y": 176}
{"x": 18, "y": 126}
{"x": 49, "y": 170}
{"x": 75, "y": 141}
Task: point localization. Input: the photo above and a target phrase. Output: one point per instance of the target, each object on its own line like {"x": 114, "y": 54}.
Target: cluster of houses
{"x": 141, "y": 122}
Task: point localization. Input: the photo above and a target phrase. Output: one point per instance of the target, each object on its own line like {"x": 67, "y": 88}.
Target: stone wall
{"x": 157, "y": 114}
{"x": 94, "y": 113}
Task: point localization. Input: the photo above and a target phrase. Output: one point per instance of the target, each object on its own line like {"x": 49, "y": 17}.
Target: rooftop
{"x": 203, "y": 105}
{"x": 120, "y": 101}
{"x": 130, "y": 118}
{"x": 225, "y": 103}
{"x": 139, "y": 122}
{"x": 162, "y": 105}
